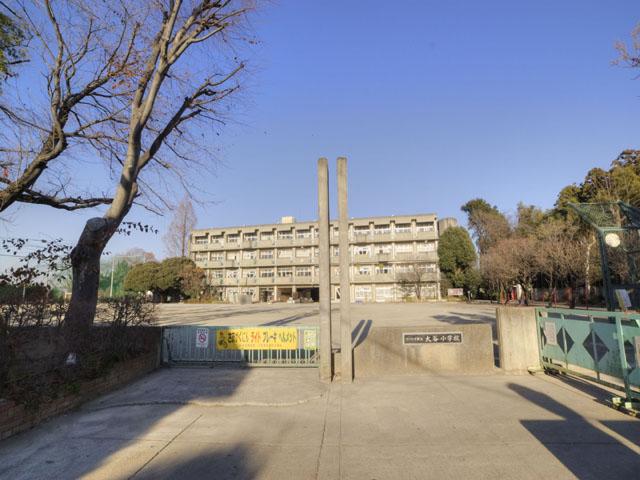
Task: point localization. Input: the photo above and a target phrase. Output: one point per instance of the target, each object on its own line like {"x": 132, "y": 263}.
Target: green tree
{"x": 457, "y": 258}
{"x": 143, "y": 278}
{"x": 487, "y": 223}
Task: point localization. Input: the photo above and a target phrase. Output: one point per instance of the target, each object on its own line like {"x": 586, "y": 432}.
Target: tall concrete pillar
{"x": 324, "y": 267}
{"x": 346, "y": 352}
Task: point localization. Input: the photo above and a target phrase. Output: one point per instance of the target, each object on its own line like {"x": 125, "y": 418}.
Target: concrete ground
{"x": 282, "y": 423}
{"x": 379, "y": 314}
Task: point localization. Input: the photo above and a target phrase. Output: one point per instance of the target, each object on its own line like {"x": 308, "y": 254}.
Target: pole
{"x": 346, "y": 352}
{"x": 324, "y": 265}
{"x": 113, "y": 267}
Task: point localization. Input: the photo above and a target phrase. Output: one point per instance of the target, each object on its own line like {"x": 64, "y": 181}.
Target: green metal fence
{"x": 601, "y": 345}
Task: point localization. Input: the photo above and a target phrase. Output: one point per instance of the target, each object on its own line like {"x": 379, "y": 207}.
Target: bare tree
{"x": 184, "y": 220}
{"x": 165, "y": 94}
{"x": 413, "y": 281}
{"x": 88, "y": 52}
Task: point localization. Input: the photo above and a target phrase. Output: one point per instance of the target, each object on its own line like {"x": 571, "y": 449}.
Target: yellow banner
{"x": 257, "y": 338}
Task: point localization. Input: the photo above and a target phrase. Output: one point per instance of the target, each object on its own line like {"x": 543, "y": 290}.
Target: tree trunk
{"x": 85, "y": 261}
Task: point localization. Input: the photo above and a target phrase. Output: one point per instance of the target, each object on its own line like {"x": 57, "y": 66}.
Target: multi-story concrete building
{"x": 391, "y": 257}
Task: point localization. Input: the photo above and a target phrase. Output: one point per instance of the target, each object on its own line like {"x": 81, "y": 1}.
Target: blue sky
{"x": 434, "y": 103}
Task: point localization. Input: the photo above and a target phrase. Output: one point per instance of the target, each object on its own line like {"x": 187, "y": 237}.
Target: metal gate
{"x": 294, "y": 346}
{"x": 601, "y": 345}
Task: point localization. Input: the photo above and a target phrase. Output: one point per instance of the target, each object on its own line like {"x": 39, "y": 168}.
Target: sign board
{"x": 310, "y": 339}
{"x": 257, "y": 338}
{"x": 421, "y": 338}
{"x": 202, "y": 338}
{"x": 623, "y": 299}
{"x": 551, "y": 333}
{"x": 455, "y": 292}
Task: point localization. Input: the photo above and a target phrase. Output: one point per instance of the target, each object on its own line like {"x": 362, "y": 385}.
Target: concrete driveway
{"x": 282, "y": 423}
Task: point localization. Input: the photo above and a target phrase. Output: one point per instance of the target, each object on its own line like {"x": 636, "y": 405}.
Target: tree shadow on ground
{"x": 579, "y": 444}
{"x": 291, "y": 319}
{"x": 121, "y": 427}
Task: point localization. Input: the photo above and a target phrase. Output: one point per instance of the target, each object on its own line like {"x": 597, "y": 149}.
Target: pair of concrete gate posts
{"x": 326, "y": 351}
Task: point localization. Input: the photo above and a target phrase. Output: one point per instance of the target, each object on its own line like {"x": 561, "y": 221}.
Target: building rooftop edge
{"x": 303, "y": 222}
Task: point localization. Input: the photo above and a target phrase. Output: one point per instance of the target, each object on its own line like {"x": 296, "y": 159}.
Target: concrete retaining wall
{"x": 383, "y": 352}
{"x": 517, "y": 338}
{"x": 16, "y": 418}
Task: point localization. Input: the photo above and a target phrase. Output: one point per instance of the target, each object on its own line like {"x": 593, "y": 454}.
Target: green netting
{"x": 610, "y": 215}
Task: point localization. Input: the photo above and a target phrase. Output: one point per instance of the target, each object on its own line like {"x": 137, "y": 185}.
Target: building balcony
{"x": 306, "y": 241}
{"x": 216, "y": 246}
{"x": 403, "y": 236}
{"x": 265, "y": 262}
{"x": 288, "y": 280}
{"x": 382, "y": 257}
{"x": 248, "y": 262}
{"x": 232, "y": 245}
{"x": 250, "y": 243}
{"x": 430, "y": 235}
{"x": 284, "y": 242}
{"x": 199, "y": 247}
{"x": 383, "y": 278}
{"x": 215, "y": 263}
{"x": 306, "y": 279}
{"x": 382, "y": 237}
{"x": 265, "y": 243}
{"x": 362, "y": 258}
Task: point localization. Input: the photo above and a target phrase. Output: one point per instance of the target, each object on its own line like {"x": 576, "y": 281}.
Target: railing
{"x": 274, "y": 346}
{"x": 600, "y": 345}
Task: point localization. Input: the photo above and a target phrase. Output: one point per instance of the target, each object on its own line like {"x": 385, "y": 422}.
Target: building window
{"x": 384, "y": 294}
{"x": 404, "y": 248}
{"x": 364, "y": 270}
{"x": 425, "y": 227}
{"x": 381, "y": 229}
{"x": 218, "y": 274}
{"x": 363, "y": 293}
{"x": 430, "y": 267}
{"x": 403, "y": 228}
{"x": 285, "y": 272}
{"x": 303, "y": 271}
{"x": 250, "y": 237}
{"x": 427, "y": 247}
{"x": 266, "y": 236}
{"x": 232, "y": 274}
{"x": 360, "y": 231}
{"x": 200, "y": 240}
{"x": 217, "y": 239}
{"x": 362, "y": 250}
{"x": 266, "y": 273}
{"x": 285, "y": 235}
{"x": 384, "y": 269}
{"x": 249, "y": 274}
{"x": 403, "y": 268}
{"x": 201, "y": 256}
{"x": 232, "y": 255}
{"x": 336, "y": 251}
{"x": 303, "y": 233}
{"x": 303, "y": 252}
{"x": 285, "y": 253}
{"x": 217, "y": 256}
{"x": 382, "y": 249}
{"x": 249, "y": 254}
{"x": 266, "y": 254}
{"x": 235, "y": 238}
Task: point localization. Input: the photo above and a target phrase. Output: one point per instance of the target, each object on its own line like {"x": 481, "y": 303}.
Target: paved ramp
{"x": 283, "y": 423}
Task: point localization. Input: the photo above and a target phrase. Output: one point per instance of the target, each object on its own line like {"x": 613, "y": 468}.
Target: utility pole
{"x": 346, "y": 352}
{"x": 324, "y": 265}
